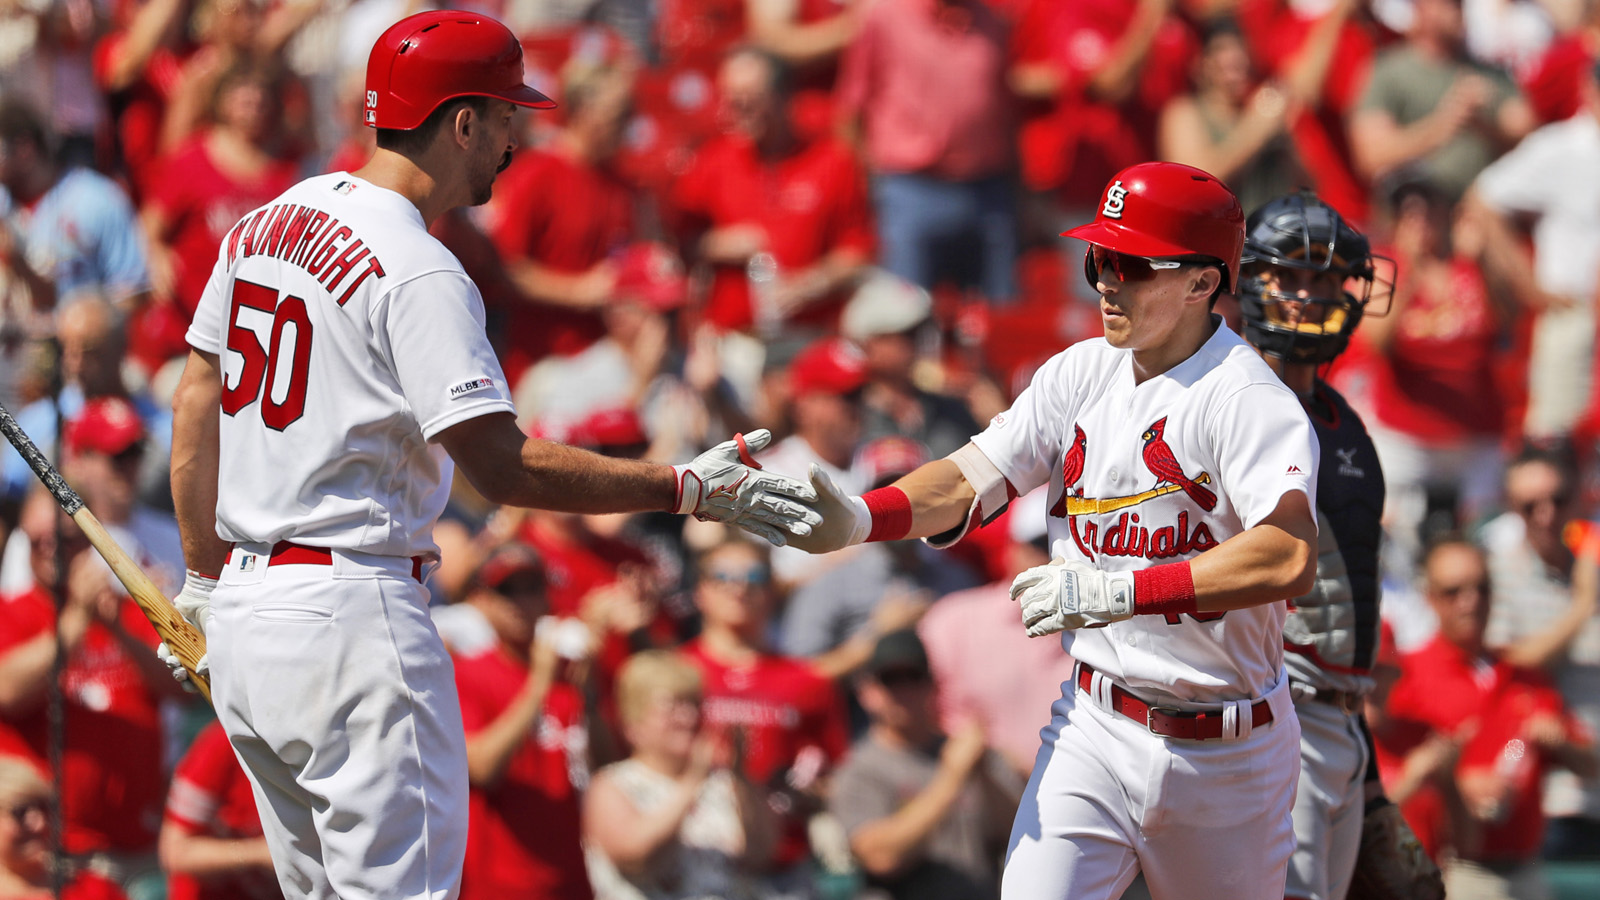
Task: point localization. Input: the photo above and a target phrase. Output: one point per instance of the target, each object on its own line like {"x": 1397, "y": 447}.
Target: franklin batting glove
{"x": 194, "y": 601}
{"x": 726, "y": 484}
{"x": 1063, "y": 595}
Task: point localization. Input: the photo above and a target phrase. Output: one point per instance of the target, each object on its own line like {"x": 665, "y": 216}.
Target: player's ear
{"x": 1205, "y": 282}
{"x": 464, "y": 123}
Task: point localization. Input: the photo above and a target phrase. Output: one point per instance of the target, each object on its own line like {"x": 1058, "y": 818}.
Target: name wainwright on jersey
{"x": 308, "y": 238}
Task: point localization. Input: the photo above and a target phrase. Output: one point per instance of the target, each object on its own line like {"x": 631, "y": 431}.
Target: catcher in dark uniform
{"x": 1306, "y": 280}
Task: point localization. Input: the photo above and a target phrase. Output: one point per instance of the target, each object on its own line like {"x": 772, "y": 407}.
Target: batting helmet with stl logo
{"x": 1168, "y": 211}
{"x": 426, "y": 59}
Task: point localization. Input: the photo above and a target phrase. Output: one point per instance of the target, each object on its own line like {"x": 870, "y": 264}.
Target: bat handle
{"x": 63, "y": 492}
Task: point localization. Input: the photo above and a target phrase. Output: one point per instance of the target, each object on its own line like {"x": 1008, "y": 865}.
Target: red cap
{"x": 506, "y": 561}
{"x": 652, "y": 275}
{"x": 426, "y": 59}
{"x": 888, "y": 458}
{"x": 828, "y": 366}
{"x": 108, "y": 425}
{"x": 1167, "y": 209}
{"x": 618, "y": 427}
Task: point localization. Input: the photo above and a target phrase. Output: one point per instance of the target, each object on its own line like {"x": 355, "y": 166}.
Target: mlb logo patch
{"x": 471, "y": 387}
{"x": 344, "y": 187}
{"x": 247, "y": 563}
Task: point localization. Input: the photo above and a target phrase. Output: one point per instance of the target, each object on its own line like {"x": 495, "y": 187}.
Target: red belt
{"x": 286, "y": 553}
{"x": 1169, "y": 722}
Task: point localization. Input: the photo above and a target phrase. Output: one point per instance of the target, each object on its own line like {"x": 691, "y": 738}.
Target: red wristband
{"x": 1164, "y": 590}
{"x": 891, "y": 513}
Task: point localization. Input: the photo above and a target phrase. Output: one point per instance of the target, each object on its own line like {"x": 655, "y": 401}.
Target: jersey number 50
{"x": 261, "y": 370}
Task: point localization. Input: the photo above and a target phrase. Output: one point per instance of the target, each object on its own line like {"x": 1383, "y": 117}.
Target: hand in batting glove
{"x": 194, "y": 601}
{"x": 179, "y": 673}
{"x": 1064, "y": 595}
{"x": 726, "y": 484}
{"x": 845, "y": 520}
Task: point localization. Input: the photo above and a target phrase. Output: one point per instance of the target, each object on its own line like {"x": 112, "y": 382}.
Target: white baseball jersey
{"x": 349, "y": 338}
{"x": 1145, "y": 474}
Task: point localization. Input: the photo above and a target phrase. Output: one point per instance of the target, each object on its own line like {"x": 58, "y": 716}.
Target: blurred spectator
{"x": 1320, "y": 53}
{"x": 137, "y": 64}
{"x": 885, "y": 317}
{"x": 106, "y": 445}
{"x": 987, "y": 669}
{"x": 1468, "y": 736}
{"x": 53, "y": 71}
{"x": 211, "y": 842}
{"x": 781, "y": 219}
{"x": 1428, "y": 369}
{"x": 825, "y": 384}
{"x": 1554, "y": 82}
{"x": 524, "y": 708}
{"x": 783, "y": 718}
{"x": 927, "y": 815}
{"x": 809, "y": 36}
{"x": 206, "y": 185}
{"x": 1548, "y": 622}
{"x": 836, "y": 618}
{"x": 923, "y": 93}
{"x": 26, "y": 867}
{"x": 1429, "y": 106}
{"x": 676, "y": 820}
{"x": 1552, "y": 178}
{"x": 1096, "y": 74}
{"x": 560, "y": 215}
{"x": 112, "y": 681}
{"x": 1508, "y": 34}
{"x": 63, "y": 232}
{"x": 619, "y": 370}
{"x": 1232, "y": 127}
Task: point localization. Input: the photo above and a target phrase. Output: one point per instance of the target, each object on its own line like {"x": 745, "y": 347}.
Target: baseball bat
{"x": 183, "y": 638}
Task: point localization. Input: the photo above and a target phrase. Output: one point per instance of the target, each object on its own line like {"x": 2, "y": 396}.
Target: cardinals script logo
{"x": 1127, "y": 536}
{"x": 1115, "y": 195}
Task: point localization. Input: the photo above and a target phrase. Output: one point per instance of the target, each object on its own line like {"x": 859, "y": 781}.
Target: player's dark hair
{"x": 1559, "y": 457}
{"x": 20, "y": 123}
{"x": 415, "y": 141}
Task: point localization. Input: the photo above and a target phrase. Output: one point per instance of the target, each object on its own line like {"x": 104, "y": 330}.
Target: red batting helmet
{"x": 426, "y": 59}
{"x": 1163, "y": 209}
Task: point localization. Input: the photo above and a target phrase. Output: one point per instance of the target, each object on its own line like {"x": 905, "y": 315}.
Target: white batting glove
{"x": 179, "y": 673}
{"x": 194, "y": 601}
{"x": 726, "y": 484}
{"x": 846, "y": 521}
{"x": 1064, "y": 595}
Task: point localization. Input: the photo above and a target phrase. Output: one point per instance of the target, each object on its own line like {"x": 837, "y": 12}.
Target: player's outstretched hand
{"x": 843, "y": 519}
{"x": 179, "y": 673}
{"x": 1062, "y": 595}
{"x": 726, "y": 484}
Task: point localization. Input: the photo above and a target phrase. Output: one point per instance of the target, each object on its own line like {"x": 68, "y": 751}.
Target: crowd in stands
{"x": 836, "y": 219}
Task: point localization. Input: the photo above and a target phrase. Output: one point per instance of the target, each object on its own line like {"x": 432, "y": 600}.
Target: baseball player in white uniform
{"x": 1182, "y": 479}
{"x": 339, "y": 370}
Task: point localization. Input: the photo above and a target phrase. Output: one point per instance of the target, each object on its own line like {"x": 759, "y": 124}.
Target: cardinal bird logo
{"x": 1159, "y": 460}
{"x": 1071, "y": 470}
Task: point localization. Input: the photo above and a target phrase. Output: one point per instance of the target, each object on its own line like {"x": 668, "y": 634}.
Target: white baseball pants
{"x": 340, "y": 701}
{"x": 1204, "y": 820}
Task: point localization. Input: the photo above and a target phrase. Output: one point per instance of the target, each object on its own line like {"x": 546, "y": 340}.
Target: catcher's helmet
{"x": 1167, "y": 210}
{"x": 426, "y": 59}
{"x": 1299, "y": 231}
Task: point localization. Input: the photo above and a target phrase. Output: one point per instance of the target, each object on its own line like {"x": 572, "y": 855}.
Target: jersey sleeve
{"x": 1265, "y": 448}
{"x": 205, "y": 328}
{"x": 431, "y": 330}
{"x": 200, "y": 780}
{"x": 1024, "y": 442}
{"x": 1520, "y": 180}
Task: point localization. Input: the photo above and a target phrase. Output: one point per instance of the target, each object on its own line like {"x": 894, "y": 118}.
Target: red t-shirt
{"x": 1442, "y": 690}
{"x": 211, "y": 796}
{"x": 1076, "y": 143}
{"x": 564, "y": 215}
{"x": 201, "y": 203}
{"x": 110, "y": 800}
{"x": 522, "y": 838}
{"x": 1554, "y": 83}
{"x": 810, "y": 203}
{"x": 1437, "y": 382}
{"x": 1275, "y": 34}
{"x": 698, "y": 32}
{"x": 783, "y": 709}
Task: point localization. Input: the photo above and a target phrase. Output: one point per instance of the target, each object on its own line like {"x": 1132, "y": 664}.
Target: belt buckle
{"x": 1150, "y": 717}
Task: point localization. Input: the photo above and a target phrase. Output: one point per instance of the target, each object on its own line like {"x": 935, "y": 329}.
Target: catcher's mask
{"x": 1307, "y": 278}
